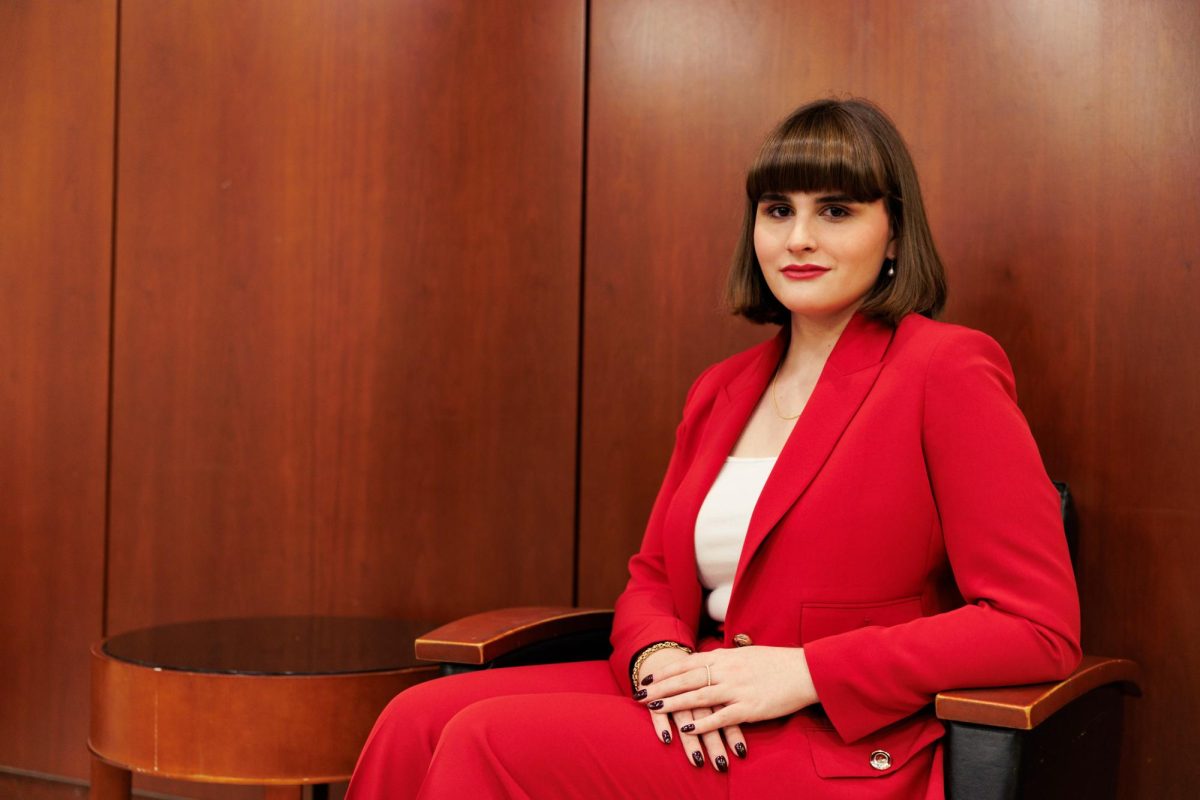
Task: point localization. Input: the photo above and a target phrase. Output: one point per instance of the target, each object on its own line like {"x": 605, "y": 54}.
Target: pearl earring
{"x": 891, "y": 267}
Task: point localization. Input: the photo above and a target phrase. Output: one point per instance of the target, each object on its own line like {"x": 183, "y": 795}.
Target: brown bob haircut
{"x": 849, "y": 147}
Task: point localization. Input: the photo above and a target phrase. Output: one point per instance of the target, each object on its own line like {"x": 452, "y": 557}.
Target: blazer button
{"x": 881, "y": 760}
{"x": 742, "y": 640}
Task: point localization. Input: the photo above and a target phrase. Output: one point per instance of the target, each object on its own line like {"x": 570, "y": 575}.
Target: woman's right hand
{"x": 694, "y": 746}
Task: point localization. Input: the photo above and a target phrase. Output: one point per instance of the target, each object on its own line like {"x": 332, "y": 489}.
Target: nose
{"x": 800, "y": 237}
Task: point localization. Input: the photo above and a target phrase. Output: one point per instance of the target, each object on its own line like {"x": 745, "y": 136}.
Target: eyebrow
{"x": 776, "y": 197}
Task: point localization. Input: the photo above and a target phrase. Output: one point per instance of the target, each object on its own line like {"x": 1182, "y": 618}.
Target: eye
{"x": 836, "y": 212}
{"x": 777, "y": 210}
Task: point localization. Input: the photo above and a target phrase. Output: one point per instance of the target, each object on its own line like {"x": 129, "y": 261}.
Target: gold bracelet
{"x": 636, "y": 673}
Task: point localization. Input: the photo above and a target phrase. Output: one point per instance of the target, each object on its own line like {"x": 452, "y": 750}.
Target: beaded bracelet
{"x": 636, "y": 672}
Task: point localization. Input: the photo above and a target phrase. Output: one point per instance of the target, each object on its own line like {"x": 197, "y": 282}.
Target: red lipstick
{"x": 803, "y": 272}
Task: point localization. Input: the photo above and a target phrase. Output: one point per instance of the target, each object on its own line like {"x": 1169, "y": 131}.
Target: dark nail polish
{"x": 722, "y": 764}
{"x": 687, "y": 728}
{"x": 654, "y": 705}
{"x": 666, "y": 737}
{"x": 646, "y": 681}
{"x": 697, "y": 759}
{"x": 740, "y": 749}
{"x": 640, "y": 694}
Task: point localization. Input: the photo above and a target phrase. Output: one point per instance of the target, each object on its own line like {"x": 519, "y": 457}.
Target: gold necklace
{"x": 775, "y": 400}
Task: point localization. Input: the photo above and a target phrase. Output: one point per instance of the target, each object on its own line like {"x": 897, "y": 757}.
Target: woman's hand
{"x": 694, "y": 744}
{"x": 748, "y": 684}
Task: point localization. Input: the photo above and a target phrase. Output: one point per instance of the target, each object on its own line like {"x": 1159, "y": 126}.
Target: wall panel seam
{"x": 112, "y": 322}
{"x": 583, "y": 192}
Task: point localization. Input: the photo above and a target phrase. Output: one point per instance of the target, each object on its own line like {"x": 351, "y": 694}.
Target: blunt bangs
{"x": 845, "y": 147}
{"x": 825, "y": 150}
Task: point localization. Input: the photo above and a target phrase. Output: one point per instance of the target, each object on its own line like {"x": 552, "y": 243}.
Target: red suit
{"x": 908, "y": 539}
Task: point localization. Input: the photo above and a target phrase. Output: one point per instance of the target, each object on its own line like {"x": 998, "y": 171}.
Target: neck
{"x": 813, "y": 338}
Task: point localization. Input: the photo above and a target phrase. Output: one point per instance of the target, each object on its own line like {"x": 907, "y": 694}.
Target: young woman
{"x": 855, "y": 517}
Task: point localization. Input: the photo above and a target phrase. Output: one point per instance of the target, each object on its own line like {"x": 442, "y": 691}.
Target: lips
{"x": 804, "y": 271}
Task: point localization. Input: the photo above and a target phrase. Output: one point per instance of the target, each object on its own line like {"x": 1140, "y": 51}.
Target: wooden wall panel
{"x": 664, "y": 202}
{"x": 1056, "y": 144}
{"x": 26, "y": 787}
{"x": 346, "y": 308}
{"x": 56, "y": 138}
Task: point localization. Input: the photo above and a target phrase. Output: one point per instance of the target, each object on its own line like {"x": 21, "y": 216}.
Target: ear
{"x": 894, "y": 241}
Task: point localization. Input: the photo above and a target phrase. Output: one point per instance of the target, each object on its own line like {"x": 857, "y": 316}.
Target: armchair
{"x": 1048, "y": 740}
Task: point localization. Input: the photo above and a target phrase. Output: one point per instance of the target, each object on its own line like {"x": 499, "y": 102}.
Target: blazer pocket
{"x": 877, "y": 755}
{"x": 821, "y": 619}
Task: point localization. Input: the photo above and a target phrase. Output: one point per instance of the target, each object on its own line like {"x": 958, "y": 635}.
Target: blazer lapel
{"x": 847, "y": 378}
{"x": 730, "y": 412}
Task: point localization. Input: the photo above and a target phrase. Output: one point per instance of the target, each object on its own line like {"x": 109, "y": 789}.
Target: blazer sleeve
{"x": 1003, "y": 534}
{"x": 646, "y": 612}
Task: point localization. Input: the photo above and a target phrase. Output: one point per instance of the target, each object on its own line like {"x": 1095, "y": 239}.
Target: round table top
{"x": 273, "y": 645}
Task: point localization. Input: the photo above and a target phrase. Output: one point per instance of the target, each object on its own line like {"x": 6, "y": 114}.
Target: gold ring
{"x": 708, "y": 672}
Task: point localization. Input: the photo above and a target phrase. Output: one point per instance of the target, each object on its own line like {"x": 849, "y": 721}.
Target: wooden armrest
{"x": 1025, "y": 707}
{"x": 484, "y": 637}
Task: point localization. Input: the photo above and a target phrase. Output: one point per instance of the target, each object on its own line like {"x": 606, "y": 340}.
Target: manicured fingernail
{"x": 740, "y": 749}
{"x": 722, "y": 764}
{"x": 697, "y": 759}
{"x": 646, "y": 681}
{"x": 666, "y": 737}
{"x": 654, "y": 705}
{"x": 687, "y": 728}
{"x": 640, "y": 694}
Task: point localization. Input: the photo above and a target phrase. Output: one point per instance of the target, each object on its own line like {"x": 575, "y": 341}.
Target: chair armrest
{"x": 481, "y": 638}
{"x": 1025, "y": 707}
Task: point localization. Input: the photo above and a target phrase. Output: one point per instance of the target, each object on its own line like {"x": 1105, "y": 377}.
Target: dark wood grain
{"x": 56, "y": 153}
{"x": 346, "y": 309}
{"x": 1056, "y": 144}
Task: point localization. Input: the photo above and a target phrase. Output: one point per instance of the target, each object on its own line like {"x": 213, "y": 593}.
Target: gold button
{"x": 742, "y": 640}
{"x": 881, "y": 760}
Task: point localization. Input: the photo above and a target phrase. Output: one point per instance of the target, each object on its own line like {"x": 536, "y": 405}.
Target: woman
{"x": 854, "y": 518}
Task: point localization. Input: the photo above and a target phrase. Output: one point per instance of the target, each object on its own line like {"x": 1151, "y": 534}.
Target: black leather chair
{"x": 1051, "y": 740}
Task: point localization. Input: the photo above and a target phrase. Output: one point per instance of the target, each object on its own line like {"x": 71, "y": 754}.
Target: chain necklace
{"x": 775, "y": 400}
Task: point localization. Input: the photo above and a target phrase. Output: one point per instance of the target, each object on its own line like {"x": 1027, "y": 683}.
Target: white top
{"x": 722, "y": 523}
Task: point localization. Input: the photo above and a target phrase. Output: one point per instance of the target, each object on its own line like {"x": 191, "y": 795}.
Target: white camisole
{"x": 722, "y": 523}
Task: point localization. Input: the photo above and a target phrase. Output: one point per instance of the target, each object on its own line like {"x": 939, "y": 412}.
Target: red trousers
{"x": 554, "y": 731}
{"x": 566, "y": 731}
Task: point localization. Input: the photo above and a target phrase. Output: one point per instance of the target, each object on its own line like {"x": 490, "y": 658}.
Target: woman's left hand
{"x": 748, "y": 684}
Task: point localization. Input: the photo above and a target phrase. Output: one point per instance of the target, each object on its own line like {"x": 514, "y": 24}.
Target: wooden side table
{"x": 280, "y": 701}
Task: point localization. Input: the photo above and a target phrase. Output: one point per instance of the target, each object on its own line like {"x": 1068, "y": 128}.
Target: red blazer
{"x": 908, "y": 539}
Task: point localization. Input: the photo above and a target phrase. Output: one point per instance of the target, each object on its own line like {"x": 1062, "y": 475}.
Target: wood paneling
{"x": 668, "y": 141}
{"x": 346, "y": 308}
{"x": 56, "y": 134}
{"x": 1056, "y": 144}
{"x": 346, "y": 300}
{"x": 31, "y": 787}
